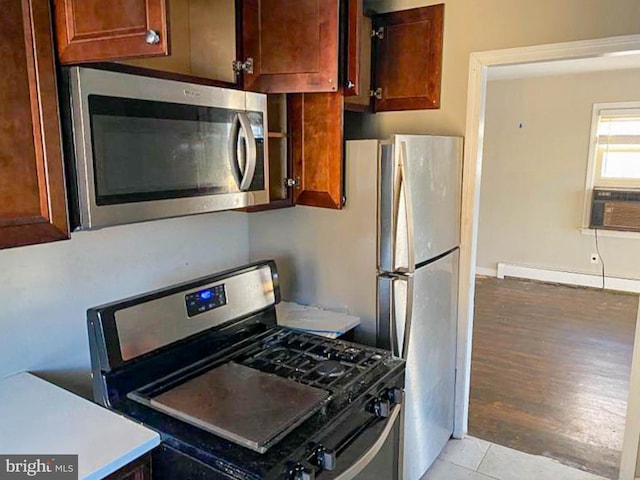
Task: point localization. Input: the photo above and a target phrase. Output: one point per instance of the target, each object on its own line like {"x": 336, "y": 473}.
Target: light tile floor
{"x": 475, "y": 459}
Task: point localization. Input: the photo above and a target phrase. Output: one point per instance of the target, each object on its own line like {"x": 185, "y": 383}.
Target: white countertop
{"x": 315, "y": 320}
{"x": 37, "y": 417}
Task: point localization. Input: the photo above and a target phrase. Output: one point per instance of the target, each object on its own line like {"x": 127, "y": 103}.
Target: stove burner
{"x": 330, "y": 368}
{"x": 279, "y": 355}
{"x": 329, "y": 364}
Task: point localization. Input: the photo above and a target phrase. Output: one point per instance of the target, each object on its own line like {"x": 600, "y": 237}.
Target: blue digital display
{"x": 205, "y": 300}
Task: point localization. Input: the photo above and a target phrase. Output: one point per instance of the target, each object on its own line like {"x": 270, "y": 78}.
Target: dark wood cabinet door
{"x": 293, "y": 44}
{"x": 137, "y": 470}
{"x": 361, "y": 101}
{"x": 354, "y": 25}
{"x": 97, "y": 30}
{"x": 32, "y": 194}
{"x": 316, "y": 127}
{"x": 408, "y": 58}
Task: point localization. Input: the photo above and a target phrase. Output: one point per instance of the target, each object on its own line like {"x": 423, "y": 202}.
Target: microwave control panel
{"x": 205, "y": 300}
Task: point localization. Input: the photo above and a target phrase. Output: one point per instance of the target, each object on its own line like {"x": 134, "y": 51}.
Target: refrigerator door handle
{"x": 386, "y": 332}
{"x": 403, "y": 249}
{"x": 386, "y": 208}
{"x": 395, "y": 296}
{"x": 402, "y": 305}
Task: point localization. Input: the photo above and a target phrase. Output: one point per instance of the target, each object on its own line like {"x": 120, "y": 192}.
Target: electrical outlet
{"x": 595, "y": 258}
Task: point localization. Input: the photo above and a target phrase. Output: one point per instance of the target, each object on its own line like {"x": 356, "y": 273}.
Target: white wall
{"x": 533, "y": 178}
{"x": 328, "y": 257}
{"x": 46, "y": 289}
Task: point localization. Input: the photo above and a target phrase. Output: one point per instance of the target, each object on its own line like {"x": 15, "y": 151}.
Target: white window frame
{"x": 593, "y": 165}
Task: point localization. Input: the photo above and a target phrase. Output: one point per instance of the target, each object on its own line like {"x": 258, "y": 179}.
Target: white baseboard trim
{"x": 567, "y": 278}
{"x": 487, "y": 272}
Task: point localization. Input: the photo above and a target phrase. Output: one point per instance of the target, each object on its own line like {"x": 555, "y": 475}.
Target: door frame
{"x": 479, "y": 64}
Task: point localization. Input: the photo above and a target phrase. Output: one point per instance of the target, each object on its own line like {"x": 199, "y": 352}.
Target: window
{"x": 616, "y": 150}
{"x": 614, "y": 155}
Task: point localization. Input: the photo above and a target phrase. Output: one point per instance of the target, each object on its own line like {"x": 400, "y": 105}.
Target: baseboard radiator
{"x": 557, "y": 276}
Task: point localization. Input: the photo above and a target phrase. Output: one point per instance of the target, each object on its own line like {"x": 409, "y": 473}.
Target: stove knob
{"x": 300, "y": 472}
{"x": 326, "y": 458}
{"x": 380, "y": 407}
{"x": 395, "y": 395}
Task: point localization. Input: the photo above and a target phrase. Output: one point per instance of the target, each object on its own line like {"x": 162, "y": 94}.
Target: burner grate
{"x": 312, "y": 360}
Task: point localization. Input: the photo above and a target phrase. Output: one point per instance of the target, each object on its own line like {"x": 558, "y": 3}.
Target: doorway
{"x": 480, "y": 65}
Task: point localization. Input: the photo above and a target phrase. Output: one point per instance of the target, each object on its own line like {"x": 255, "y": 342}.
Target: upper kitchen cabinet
{"x": 305, "y": 150}
{"x": 357, "y": 88}
{"x": 95, "y": 30}
{"x": 269, "y": 46}
{"x": 317, "y": 147}
{"x": 290, "y": 45}
{"x": 32, "y": 194}
{"x": 408, "y": 59}
{"x": 400, "y": 58}
{"x": 202, "y": 40}
{"x": 354, "y": 27}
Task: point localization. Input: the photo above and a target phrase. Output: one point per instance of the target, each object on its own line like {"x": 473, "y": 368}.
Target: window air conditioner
{"x": 615, "y": 210}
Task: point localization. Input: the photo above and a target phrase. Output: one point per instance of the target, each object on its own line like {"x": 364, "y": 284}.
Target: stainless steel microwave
{"x": 148, "y": 148}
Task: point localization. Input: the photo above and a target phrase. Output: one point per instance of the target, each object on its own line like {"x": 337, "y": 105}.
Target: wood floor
{"x": 550, "y": 370}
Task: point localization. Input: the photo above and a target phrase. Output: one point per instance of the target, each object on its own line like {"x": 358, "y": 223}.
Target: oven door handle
{"x": 370, "y": 454}
{"x": 243, "y": 171}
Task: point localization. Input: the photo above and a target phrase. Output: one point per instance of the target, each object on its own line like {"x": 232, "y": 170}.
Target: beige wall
{"x": 328, "y": 257}
{"x": 45, "y": 290}
{"x": 533, "y": 177}
{"x": 480, "y": 25}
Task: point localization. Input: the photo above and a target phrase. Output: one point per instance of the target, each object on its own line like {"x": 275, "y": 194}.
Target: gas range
{"x": 234, "y": 396}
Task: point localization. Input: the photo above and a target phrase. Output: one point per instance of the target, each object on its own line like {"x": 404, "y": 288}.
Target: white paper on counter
{"x": 315, "y": 320}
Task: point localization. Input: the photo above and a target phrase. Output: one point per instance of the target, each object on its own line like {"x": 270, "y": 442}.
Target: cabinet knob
{"x": 325, "y": 458}
{"x": 152, "y": 37}
{"x": 394, "y": 395}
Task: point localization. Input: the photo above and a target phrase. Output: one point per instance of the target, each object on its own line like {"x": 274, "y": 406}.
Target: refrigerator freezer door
{"x": 430, "y": 354}
{"x": 426, "y": 172}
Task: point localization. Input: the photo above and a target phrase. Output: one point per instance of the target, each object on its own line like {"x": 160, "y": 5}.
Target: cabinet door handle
{"x": 152, "y": 37}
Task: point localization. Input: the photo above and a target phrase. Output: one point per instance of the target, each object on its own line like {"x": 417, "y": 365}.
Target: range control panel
{"x": 205, "y": 300}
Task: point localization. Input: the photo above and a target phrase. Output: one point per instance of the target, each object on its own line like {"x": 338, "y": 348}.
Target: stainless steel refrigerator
{"x": 419, "y": 192}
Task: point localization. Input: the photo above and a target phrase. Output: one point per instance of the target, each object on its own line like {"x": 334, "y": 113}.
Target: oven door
{"x": 375, "y": 454}
{"x": 150, "y": 148}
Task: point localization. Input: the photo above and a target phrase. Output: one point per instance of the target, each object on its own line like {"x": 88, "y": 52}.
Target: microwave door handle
{"x": 251, "y": 152}
{"x": 234, "y": 138}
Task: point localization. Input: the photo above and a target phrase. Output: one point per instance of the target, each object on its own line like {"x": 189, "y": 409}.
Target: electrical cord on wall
{"x": 600, "y": 257}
